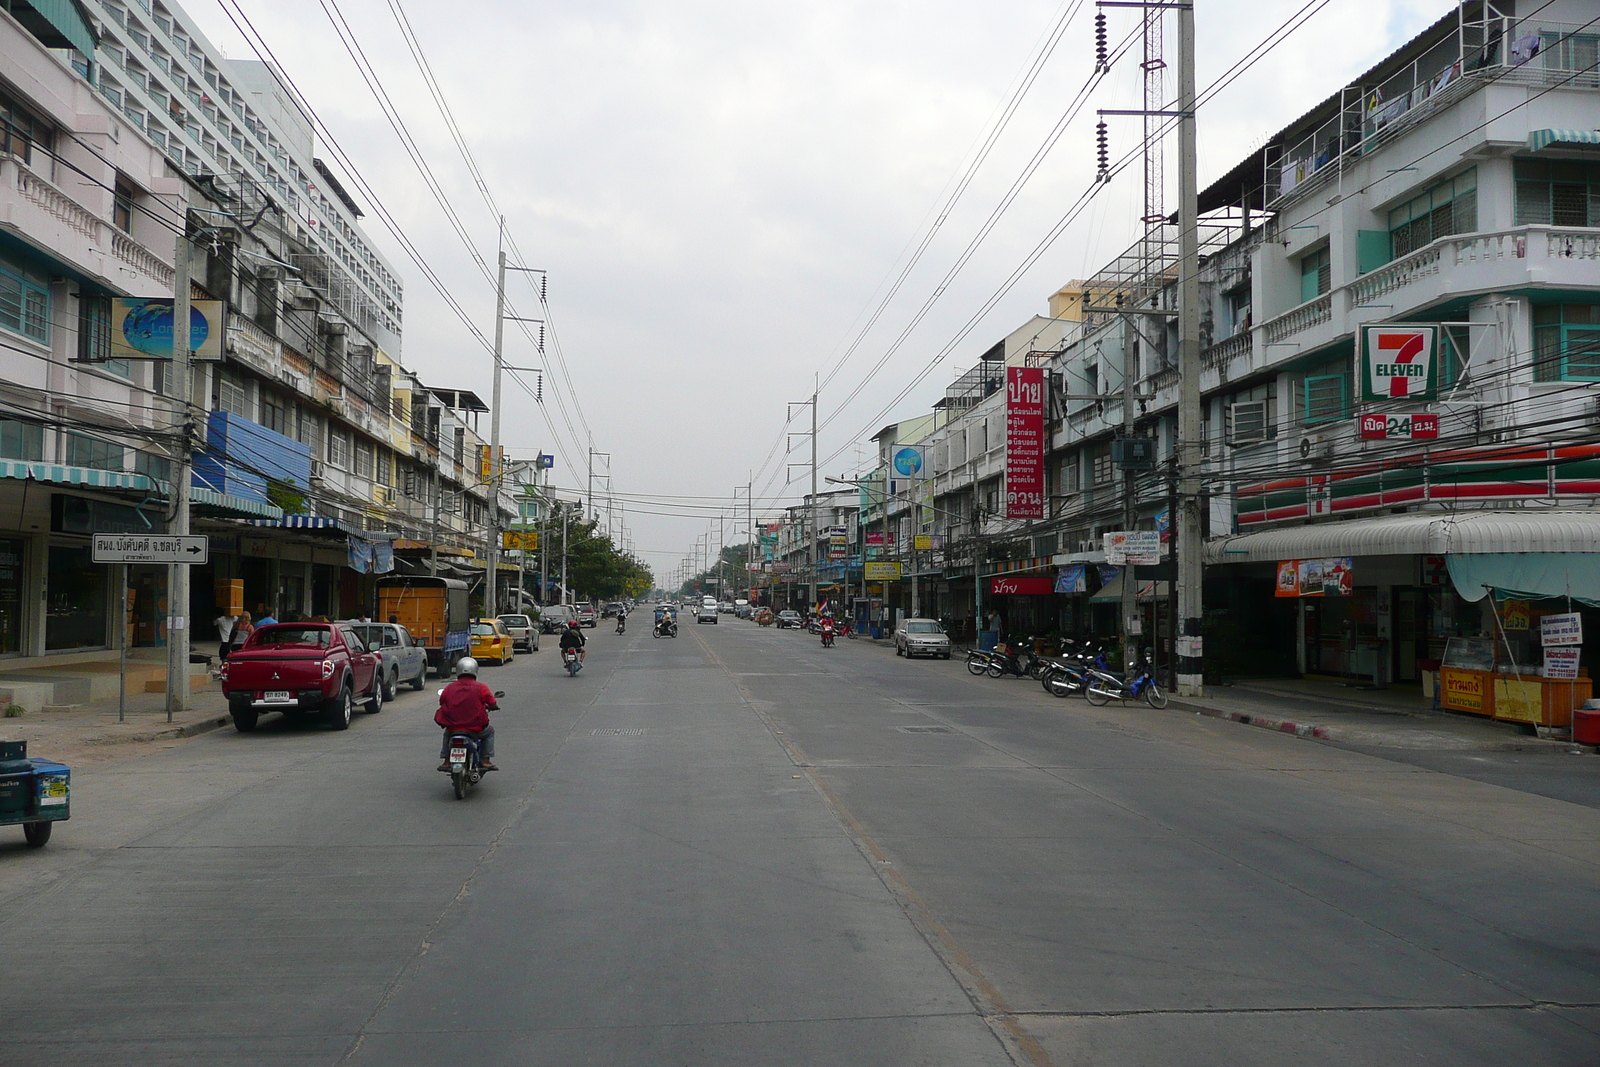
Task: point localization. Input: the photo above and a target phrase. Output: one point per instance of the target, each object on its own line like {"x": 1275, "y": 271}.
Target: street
{"x": 737, "y": 847}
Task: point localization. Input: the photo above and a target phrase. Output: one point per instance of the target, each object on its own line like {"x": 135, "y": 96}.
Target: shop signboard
{"x": 838, "y": 542}
{"x": 1561, "y": 661}
{"x": 1398, "y": 361}
{"x": 1142, "y": 548}
{"x": 921, "y": 542}
{"x": 1382, "y": 427}
{"x": 1315, "y": 577}
{"x": 142, "y": 329}
{"x": 522, "y": 540}
{"x": 1463, "y": 690}
{"x": 883, "y": 572}
{"x": 1072, "y": 579}
{"x": 1021, "y": 586}
{"x": 876, "y": 537}
{"x": 1564, "y": 629}
{"x": 1514, "y": 615}
{"x": 1024, "y": 443}
{"x": 1435, "y": 570}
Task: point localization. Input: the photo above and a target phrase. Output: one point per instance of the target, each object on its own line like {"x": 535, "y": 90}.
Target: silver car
{"x": 402, "y": 658}
{"x": 921, "y": 637}
{"x": 524, "y": 634}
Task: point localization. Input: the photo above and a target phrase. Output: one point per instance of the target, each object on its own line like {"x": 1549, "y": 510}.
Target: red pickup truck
{"x": 299, "y": 668}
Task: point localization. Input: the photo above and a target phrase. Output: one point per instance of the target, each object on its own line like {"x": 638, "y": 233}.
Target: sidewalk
{"x": 90, "y": 732}
{"x": 1383, "y": 718}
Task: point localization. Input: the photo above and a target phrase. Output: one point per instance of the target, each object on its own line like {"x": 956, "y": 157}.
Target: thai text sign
{"x": 1561, "y": 630}
{"x": 1139, "y": 547}
{"x": 522, "y": 540}
{"x": 882, "y": 572}
{"x": 1024, "y": 442}
{"x": 1463, "y": 690}
{"x": 1397, "y": 362}
{"x": 1381, "y": 427}
{"x": 838, "y": 542}
{"x": 1561, "y": 662}
{"x": 1029, "y": 586}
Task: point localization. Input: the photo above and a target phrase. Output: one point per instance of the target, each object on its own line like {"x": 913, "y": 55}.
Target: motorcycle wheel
{"x": 994, "y": 670}
{"x": 1095, "y": 695}
{"x": 460, "y": 784}
{"x": 1036, "y": 670}
{"x": 1154, "y": 696}
{"x": 1057, "y": 686}
{"x": 976, "y": 666}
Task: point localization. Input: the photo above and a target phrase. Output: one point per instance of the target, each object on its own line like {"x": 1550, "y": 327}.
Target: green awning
{"x": 86, "y": 476}
{"x": 237, "y": 504}
{"x": 1538, "y": 139}
{"x": 57, "y": 23}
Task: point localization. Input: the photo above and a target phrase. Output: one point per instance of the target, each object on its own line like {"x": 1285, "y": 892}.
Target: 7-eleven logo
{"x": 1400, "y": 361}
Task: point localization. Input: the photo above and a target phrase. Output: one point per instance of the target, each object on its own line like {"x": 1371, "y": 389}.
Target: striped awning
{"x": 1538, "y": 139}
{"x": 85, "y": 476}
{"x": 226, "y": 502}
{"x": 300, "y": 522}
{"x": 1430, "y": 533}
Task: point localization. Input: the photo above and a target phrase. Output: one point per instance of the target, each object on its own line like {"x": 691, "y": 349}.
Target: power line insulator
{"x": 1102, "y": 61}
{"x": 1103, "y": 150}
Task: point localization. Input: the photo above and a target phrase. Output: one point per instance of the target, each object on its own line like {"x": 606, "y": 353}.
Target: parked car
{"x": 921, "y": 637}
{"x": 553, "y": 618}
{"x": 491, "y": 642}
{"x": 707, "y": 613}
{"x": 789, "y": 618}
{"x": 434, "y": 611}
{"x": 524, "y": 634}
{"x": 586, "y": 615}
{"x": 299, "y": 667}
{"x": 401, "y": 657}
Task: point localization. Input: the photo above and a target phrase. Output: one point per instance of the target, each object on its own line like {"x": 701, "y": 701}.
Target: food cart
{"x": 1474, "y": 680}
{"x": 34, "y": 792}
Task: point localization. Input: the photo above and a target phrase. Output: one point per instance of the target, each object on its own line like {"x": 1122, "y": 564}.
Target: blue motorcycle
{"x": 1104, "y": 686}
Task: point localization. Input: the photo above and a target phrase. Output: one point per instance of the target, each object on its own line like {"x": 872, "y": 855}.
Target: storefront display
{"x": 75, "y": 597}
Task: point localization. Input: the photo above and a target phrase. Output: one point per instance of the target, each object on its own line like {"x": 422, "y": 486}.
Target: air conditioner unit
{"x": 1247, "y": 422}
{"x": 1317, "y": 446}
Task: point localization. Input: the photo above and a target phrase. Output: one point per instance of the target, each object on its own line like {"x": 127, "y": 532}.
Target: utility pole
{"x": 1130, "y": 586}
{"x": 1190, "y": 564}
{"x": 491, "y": 589}
{"x": 815, "y": 532}
{"x": 565, "y": 592}
{"x": 182, "y": 398}
{"x": 544, "y": 541}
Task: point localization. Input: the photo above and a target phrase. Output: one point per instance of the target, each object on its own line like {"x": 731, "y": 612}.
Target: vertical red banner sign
{"x": 1024, "y": 442}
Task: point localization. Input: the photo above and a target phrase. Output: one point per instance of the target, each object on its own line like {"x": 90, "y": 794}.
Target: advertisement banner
{"x": 1398, "y": 362}
{"x": 1142, "y": 548}
{"x": 1029, "y": 586}
{"x": 908, "y": 461}
{"x": 838, "y": 542}
{"x": 1024, "y": 442}
{"x": 1316, "y": 577}
{"x": 921, "y": 542}
{"x": 1288, "y": 578}
{"x": 877, "y": 537}
{"x": 1561, "y": 630}
{"x": 1072, "y": 579}
{"x": 883, "y": 572}
{"x": 1108, "y": 574}
{"x": 524, "y": 540}
{"x": 1561, "y": 662}
{"x": 1515, "y": 615}
{"x": 142, "y": 329}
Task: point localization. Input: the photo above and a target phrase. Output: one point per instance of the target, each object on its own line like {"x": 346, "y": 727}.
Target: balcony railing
{"x": 1312, "y": 313}
{"x": 1223, "y": 352}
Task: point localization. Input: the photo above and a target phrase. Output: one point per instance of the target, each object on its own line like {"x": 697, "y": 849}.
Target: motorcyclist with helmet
{"x": 572, "y": 637}
{"x": 464, "y": 707}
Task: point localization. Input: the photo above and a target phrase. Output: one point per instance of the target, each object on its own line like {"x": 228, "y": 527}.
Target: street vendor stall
{"x": 1473, "y": 679}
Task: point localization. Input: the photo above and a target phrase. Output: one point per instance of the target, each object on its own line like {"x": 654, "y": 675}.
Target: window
{"x": 231, "y": 396}
{"x": 94, "y": 334}
{"x": 85, "y": 451}
{"x": 156, "y": 468}
{"x": 277, "y": 413}
{"x": 20, "y": 130}
{"x": 1069, "y": 474}
{"x": 1102, "y": 470}
{"x": 1327, "y": 394}
{"x": 1571, "y": 53}
{"x": 1558, "y": 192}
{"x": 21, "y": 440}
{"x": 24, "y": 304}
{"x": 1566, "y": 343}
{"x": 1252, "y": 415}
{"x": 1316, "y": 275}
{"x": 385, "y": 467}
{"x": 122, "y": 207}
{"x": 75, "y": 597}
{"x": 339, "y": 449}
{"x": 363, "y": 465}
{"x": 1449, "y": 207}
{"x": 1238, "y": 300}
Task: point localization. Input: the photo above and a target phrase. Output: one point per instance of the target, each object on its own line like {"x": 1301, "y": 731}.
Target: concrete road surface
{"x": 736, "y": 847}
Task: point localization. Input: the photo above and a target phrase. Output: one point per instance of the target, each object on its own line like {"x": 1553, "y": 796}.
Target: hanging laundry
{"x": 1525, "y": 48}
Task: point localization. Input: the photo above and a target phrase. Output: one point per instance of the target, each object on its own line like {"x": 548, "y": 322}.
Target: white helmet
{"x": 466, "y": 667}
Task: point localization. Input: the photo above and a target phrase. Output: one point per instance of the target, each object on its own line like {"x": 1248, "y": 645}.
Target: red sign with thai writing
{"x": 1380, "y": 427}
{"x": 1025, "y": 443}
{"x": 1025, "y": 586}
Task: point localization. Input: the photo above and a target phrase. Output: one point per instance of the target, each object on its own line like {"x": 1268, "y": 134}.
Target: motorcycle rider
{"x": 827, "y": 630}
{"x": 573, "y": 638}
{"x": 622, "y": 620}
{"x": 464, "y": 707}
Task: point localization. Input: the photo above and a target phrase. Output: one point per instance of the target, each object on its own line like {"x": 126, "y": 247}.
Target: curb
{"x": 168, "y": 733}
{"x": 1284, "y": 726}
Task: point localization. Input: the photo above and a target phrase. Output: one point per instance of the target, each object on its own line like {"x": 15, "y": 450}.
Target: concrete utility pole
{"x": 491, "y": 597}
{"x": 815, "y": 532}
{"x": 182, "y": 400}
{"x": 1190, "y": 565}
{"x": 566, "y": 597}
{"x": 1130, "y": 586}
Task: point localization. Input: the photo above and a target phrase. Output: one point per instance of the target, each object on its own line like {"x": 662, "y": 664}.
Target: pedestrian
{"x": 225, "y": 625}
{"x": 242, "y": 629}
{"x": 266, "y": 616}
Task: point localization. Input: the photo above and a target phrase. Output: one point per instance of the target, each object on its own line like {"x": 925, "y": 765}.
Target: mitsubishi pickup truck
{"x": 301, "y": 668}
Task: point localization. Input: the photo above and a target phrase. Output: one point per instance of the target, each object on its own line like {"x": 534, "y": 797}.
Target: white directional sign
{"x": 151, "y": 548}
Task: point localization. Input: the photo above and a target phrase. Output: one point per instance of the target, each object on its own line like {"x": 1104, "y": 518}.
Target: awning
{"x": 1431, "y": 533}
{"x": 86, "y": 476}
{"x": 1538, "y": 139}
{"x": 300, "y": 522}
{"x": 224, "y": 502}
{"x": 1527, "y": 575}
{"x": 1148, "y": 590}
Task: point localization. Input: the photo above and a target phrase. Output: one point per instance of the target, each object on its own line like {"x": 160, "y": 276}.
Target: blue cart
{"x": 33, "y": 792}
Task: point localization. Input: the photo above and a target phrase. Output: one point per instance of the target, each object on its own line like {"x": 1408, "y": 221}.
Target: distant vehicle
{"x": 434, "y": 611}
{"x": 401, "y": 656}
{"x": 553, "y": 618}
{"x": 586, "y": 615}
{"x": 524, "y": 633}
{"x": 300, "y": 667}
{"x": 707, "y": 613}
{"x": 611, "y": 610}
{"x": 921, "y": 637}
{"x": 789, "y": 619}
{"x": 724, "y": 607}
{"x": 491, "y": 642}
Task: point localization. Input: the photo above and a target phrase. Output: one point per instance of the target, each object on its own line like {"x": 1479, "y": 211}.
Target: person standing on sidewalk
{"x": 242, "y": 629}
{"x": 225, "y": 627}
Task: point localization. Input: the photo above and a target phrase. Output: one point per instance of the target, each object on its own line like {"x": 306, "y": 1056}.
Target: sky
{"x": 722, "y": 192}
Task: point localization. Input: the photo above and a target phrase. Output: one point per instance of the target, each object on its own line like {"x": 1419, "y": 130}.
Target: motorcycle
{"x": 622, "y": 624}
{"x": 465, "y": 759}
{"x": 1064, "y": 675}
{"x": 978, "y": 661}
{"x": 1104, "y": 686}
{"x": 664, "y": 628}
{"x": 827, "y": 637}
{"x": 571, "y": 662}
{"x": 1020, "y": 663}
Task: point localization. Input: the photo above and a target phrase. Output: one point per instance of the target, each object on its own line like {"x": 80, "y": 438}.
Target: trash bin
{"x": 987, "y": 639}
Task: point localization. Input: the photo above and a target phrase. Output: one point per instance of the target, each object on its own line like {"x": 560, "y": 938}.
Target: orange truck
{"x": 434, "y": 610}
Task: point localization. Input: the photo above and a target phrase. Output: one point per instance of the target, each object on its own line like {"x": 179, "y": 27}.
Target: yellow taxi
{"x": 491, "y": 641}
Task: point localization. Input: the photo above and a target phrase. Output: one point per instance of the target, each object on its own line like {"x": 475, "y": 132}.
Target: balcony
{"x": 50, "y": 219}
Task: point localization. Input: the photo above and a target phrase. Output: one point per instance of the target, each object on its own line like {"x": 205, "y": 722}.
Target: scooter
{"x": 978, "y": 661}
{"x": 665, "y": 628}
{"x": 571, "y": 662}
{"x": 1104, "y": 686}
{"x": 465, "y": 759}
{"x": 622, "y": 624}
{"x": 1022, "y": 664}
{"x": 827, "y": 637}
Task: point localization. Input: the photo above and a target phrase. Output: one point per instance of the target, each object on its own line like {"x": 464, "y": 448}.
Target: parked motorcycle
{"x": 978, "y": 661}
{"x": 1105, "y": 686}
{"x": 465, "y": 759}
{"x": 1010, "y": 660}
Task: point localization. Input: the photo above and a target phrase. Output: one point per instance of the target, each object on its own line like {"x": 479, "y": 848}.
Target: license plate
{"x": 275, "y": 694}
{"x": 458, "y": 754}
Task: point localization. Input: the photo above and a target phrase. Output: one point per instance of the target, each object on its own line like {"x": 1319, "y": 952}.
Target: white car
{"x": 921, "y": 637}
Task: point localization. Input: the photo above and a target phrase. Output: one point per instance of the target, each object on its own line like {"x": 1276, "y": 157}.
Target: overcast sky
{"x": 720, "y": 190}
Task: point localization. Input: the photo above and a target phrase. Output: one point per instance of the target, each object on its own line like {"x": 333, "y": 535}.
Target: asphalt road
{"x": 739, "y": 848}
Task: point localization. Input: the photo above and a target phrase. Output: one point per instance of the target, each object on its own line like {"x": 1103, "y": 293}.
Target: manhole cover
{"x": 925, "y": 729}
{"x": 616, "y": 731}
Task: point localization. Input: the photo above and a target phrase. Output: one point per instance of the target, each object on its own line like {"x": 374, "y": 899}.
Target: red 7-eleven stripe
{"x": 1410, "y": 347}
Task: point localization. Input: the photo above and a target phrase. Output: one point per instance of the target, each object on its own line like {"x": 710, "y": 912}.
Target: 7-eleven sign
{"x": 1399, "y": 362}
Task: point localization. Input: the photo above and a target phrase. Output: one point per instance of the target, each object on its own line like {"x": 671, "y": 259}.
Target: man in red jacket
{"x": 464, "y": 707}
